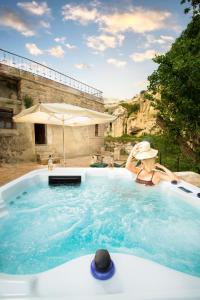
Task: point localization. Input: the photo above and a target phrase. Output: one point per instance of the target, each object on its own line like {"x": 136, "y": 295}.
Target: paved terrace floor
{"x": 10, "y": 172}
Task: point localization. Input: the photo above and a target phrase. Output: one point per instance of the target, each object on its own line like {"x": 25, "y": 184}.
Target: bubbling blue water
{"x": 48, "y": 226}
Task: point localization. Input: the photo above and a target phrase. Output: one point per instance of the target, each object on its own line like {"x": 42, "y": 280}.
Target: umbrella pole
{"x": 63, "y": 144}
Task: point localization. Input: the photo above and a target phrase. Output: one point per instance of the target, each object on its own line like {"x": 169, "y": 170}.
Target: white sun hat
{"x": 145, "y": 151}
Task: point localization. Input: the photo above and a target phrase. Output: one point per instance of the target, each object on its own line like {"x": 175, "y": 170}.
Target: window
{"x": 110, "y": 126}
{"x": 96, "y": 129}
{"x": 6, "y": 121}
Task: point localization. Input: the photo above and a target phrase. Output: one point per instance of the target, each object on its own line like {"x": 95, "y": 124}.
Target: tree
{"x": 177, "y": 82}
{"x": 195, "y": 6}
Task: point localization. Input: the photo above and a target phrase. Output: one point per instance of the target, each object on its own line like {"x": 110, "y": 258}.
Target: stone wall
{"x": 8, "y": 88}
{"x": 19, "y": 143}
{"x": 15, "y": 146}
{"x": 78, "y": 140}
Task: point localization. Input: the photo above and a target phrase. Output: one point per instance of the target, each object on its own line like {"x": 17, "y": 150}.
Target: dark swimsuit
{"x": 146, "y": 182}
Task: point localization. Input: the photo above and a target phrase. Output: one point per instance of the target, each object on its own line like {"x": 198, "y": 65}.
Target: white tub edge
{"x": 134, "y": 276}
{"x": 190, "y": 198}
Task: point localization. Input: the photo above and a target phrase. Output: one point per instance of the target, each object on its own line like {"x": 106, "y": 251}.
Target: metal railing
{"x": 25, "y": 64}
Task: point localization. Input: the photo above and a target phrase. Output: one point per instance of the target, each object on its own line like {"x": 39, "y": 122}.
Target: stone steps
{"x": 43, "y": 157}
{"x": 43, "y": 152}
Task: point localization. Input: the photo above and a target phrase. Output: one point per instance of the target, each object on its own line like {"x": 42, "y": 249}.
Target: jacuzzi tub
{"x": 135, "y": 277}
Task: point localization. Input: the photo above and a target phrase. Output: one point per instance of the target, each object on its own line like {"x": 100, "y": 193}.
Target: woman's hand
{"x": 135, "y": 150}
{"x": 129, "y": 165}
{"x": 160, "y": 166}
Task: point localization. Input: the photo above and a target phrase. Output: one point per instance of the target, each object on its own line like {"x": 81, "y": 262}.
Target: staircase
{"x": 43, "y": 152}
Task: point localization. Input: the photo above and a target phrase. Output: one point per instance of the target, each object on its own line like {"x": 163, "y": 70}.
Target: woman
{"x": 146, "y": 173}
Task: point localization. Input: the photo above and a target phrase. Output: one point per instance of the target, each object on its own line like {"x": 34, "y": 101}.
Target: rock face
{"x": 119, "y": 127}
{"x": 142, "y": 121}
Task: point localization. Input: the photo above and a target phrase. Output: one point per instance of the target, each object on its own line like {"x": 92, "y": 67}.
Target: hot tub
{"x": 49, "y": 234}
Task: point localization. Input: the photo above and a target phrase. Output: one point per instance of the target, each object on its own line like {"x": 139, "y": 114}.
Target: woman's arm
{"x": 168, "y": 175}
{"x": 129, "y": 163}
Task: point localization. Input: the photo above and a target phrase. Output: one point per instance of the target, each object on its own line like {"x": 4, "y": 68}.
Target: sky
{"x": 106, "y": 44}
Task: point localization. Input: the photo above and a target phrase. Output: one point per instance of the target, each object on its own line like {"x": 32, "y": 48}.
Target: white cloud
{"x": 162, "y": 40}
{"x": 56, "y": 51}
{"x": 45, "y": 24}
{"x": 103, "y": 41}
{"x": 120, "y": 38}
{"x": 117, "y": 63}
{"x": 167, "y": 38}
{"x": 79, "y": 12}
{"x": 69, "y": 46}
{"x": 33, "y": 49}
{"x": 60, "y": 39}
{"x": 82, "y": 66}
{"x": 137, "y": 19}
{"x": 141, "y": 56}
{"x": 10, "y": 19}
{"x": 35, "y": 8}
{"x": 95, "y": 3}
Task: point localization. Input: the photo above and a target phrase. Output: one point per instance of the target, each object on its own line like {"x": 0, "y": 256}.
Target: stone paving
{"x": 10, "y": 172}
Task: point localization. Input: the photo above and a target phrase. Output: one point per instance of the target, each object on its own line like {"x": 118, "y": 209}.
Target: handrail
{"x": 29, "y": 65}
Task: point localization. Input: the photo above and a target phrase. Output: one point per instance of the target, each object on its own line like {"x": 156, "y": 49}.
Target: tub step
{"x": 3, "y": 209}
{"x": 2, "y": 205}
{"x": 3, "y": 212}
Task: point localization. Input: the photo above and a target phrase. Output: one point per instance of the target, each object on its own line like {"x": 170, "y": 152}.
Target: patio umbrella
{"x": 62, "y": 114}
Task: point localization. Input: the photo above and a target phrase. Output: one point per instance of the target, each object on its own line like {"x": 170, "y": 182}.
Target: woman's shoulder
{"x": 159, "y": 175}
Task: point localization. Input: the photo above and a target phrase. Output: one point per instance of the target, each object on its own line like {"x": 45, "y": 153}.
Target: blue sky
{"x": 106, "y": 44}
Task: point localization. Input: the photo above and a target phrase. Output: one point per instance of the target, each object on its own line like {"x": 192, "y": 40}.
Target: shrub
{"x": 131, "y": 108}
{"x": 28, "y": 101}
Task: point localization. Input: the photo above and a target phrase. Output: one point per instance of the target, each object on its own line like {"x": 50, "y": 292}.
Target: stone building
{"x": 118, "y": 127}
{"x": 28, "y": 141}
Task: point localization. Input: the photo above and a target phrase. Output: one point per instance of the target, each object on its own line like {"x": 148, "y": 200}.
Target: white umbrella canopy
{"x": 62, "y": 114}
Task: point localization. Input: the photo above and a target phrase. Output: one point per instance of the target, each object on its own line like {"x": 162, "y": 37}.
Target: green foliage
{"x": 124, "y": 138}
{"x": 169, "y": 151}
{"x": 131, "y": 108}
{"x": 28, "y": 101}
{"x": 195, "y": 6}
{"x": 177, "y": 80}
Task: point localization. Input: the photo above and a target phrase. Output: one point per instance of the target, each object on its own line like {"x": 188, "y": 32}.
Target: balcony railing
{"x": 25, "y": 64}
